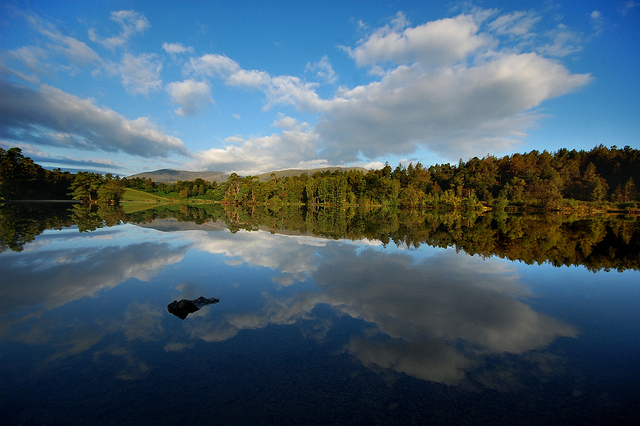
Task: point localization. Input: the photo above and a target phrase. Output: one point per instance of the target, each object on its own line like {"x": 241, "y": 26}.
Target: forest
{"x": 541, "y": 180}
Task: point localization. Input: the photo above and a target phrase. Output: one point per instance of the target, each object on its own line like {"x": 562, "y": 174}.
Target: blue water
{"x": 307, "y": 331}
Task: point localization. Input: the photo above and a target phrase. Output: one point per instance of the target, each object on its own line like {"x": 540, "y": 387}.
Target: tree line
{"x": 536, "y": 178}
{"x": 22, "y": 179}
{"x": 541, "y": 179}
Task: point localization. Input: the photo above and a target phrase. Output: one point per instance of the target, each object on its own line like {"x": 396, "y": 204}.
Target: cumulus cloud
{"x": 140, "y": 74}
{"x": 290, "y": 148}
{"x": 476, "y": 109}
{"x": 285, "y": 122}
{"x": 450, "y": 91}
{"x": 323, "y": 70}
{"x": 176, "y": 48}
{"x": 51, "y": 116}
{"x": 194, "y": 96}
{"x": 279, "y": 90}
{"x": 441, "y": 42}
{"x": 212, "y": 65}
{"x": 474, "y": 84}
{"x": 130, "y": 23}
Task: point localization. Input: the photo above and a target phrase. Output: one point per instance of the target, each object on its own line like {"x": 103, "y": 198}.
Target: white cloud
{"x": 260, "y": 154}
{"x": 286, "y": 123}
{"x": 194, "y": 96}
{"x": 442, "y": 42}
{"x": 323, "y": 70}
{"x": 176, "y": 48}
{"x": 234, "y": 139}
{"x": 212, "y": 66}
{"x": 140, "y": 74}
{"x": 279, "y": 90}
{"x": 130, "y": 23}
{"x": 374, "y": 165}
{"x": 449, "y": 110}
{"x": 448, "y": 89}
{"x": 518, "y": 24}
{"x": 254, "y": 79}
{"x": 52, "y": 117}
{"x": 76, "y": 51}
{"x": 288, "y": 90}
{"x": 36, "y": 59}
{"x": 563, "y": 42}
{"x": 597, "y": 21}
{"x": 57, "y": 52}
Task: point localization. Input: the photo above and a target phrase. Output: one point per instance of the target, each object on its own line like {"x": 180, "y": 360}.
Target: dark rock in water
{"x": 185, "y": 307}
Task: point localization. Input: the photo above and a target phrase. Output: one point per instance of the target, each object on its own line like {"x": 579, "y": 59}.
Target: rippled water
{"x": 307, "y": 330}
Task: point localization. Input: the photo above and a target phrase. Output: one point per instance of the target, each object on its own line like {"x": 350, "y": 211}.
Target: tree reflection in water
{"x": 597, "y": 242}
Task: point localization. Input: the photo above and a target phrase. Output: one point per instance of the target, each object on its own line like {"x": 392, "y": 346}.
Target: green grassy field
{"x": 140, "y": 196}
{"x": 134, "y": 200}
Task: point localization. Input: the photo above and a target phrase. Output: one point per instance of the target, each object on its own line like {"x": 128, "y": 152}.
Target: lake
{"x": 326, "y": 317}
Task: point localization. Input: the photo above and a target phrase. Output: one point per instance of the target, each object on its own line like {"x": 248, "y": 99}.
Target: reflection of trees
{"x": 20, "y": 223}
{"x": 89, "y": 217}
{"x": 85, "y": 216}
{"x": 597, "y": 242}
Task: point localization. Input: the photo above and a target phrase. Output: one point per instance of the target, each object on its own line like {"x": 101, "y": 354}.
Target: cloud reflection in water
{"x": 434, "y": 318}
{"x": 440, "y": 314}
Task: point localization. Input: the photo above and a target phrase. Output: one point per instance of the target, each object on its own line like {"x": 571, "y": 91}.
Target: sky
{"x": 124, "y": 87}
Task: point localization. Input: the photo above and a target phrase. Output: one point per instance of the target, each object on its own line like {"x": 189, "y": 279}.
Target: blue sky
{"x": 254, "y": 86}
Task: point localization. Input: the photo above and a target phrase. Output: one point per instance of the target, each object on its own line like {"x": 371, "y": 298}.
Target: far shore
{"x": 41, "y": 201}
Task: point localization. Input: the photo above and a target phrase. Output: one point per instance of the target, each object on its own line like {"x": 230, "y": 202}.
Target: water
{"x": 308, "y": 330}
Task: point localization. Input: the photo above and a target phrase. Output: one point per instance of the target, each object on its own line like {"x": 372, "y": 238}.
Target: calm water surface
{"x": 308, "y": 330}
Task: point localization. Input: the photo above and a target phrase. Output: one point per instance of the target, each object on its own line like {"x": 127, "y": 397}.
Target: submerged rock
{"x": 185, "y": 307}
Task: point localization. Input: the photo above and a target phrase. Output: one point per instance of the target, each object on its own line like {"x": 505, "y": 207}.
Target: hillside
{"x": 171, "y": 176}
{"x": 263, "y": 177}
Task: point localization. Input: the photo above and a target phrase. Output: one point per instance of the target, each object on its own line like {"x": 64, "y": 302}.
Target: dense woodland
{"x": 539, "y": 179}
{"x": 22, "y": 179}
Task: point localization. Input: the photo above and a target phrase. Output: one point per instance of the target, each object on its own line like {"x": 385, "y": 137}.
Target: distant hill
{"x": 170, "y": 176}
{"x": 263, "y": 177}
